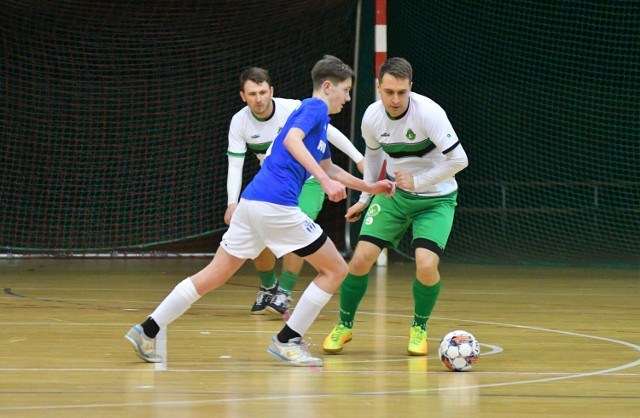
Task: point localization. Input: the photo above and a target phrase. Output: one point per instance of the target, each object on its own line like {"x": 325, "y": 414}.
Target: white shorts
{"x": 256, "y": 225}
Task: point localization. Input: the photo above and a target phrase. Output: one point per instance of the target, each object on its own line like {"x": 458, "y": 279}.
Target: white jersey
{"x": 248, "y": 133}
{"x": 414, "y": 143}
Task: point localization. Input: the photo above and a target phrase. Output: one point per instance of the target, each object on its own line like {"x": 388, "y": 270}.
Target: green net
{"x": 545, "y": 97}
{"x": 114, "y": 115}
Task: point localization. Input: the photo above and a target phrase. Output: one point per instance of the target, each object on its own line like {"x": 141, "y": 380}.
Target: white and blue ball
{"x": 459, "y": 350}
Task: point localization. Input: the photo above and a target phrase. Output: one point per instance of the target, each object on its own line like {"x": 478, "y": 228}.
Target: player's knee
{"x": 427, "y": 273}
{"x": 340, "y": 269}
{"x": 363, "y": 258}
{"x": 360, "y": 264}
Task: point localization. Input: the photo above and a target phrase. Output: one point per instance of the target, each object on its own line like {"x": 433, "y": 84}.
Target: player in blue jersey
{"x": 268, "y": 216}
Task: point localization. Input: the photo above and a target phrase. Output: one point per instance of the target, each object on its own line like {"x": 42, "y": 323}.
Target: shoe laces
{"x": 281, "y": 298}
{"x": 262, "y": 295}
{"x": 418, "y": 335}
{"x": 305, "y": 345}
{"x": 148, "y": 344}
{"x": 338, "y": 333}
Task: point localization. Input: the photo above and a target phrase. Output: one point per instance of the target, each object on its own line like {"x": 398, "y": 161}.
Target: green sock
{"x": 288, "y": 280}
{"x": 425, "y": 299}
{"x": 268, "y": 279}
{"x": 352, "y": 291}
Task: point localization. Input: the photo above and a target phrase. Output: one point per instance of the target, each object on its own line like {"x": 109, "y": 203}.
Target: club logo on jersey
{"x": 411, "y": 135}
{"x": 322, "y": 146}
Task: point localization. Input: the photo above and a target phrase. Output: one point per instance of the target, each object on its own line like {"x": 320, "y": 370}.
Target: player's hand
{"x": 383, "y": 186}
{"x": 404, "y": 180}
{"x": 229, "y": 213}
{"x": 355, "y": 212}
{"x": 334, "y": 190}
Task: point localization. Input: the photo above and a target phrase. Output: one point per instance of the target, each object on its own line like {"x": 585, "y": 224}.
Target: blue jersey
{"x": 281, "y": 176}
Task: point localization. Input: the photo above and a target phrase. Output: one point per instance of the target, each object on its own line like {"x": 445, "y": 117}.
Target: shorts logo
{"x": 309, "y": 225}
{"x": 373, "y": 211}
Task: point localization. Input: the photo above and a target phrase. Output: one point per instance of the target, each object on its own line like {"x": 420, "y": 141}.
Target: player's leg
{"x": 431, "y": 229}
{"x": 238, "y": 243}
{"x": 285, "y": 230}
{"x": 179, "y": 300}
{"x": 331, "y": 269}
{"x": 310, "y": 202}
{"x": 265, "y": 264}
{"x": 280, "y": 303}
{"x": 383, "y": 226}
{"x": 426, "y": 288}
{"x": 352, "y": 291}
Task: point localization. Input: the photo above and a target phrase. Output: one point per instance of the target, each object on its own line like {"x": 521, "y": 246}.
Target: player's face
{"x": 258, "y": 97}
{"x": 394, "y": 93}
{"x": 338, "y": 95}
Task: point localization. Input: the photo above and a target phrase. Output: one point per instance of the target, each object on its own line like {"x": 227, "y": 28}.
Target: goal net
{"x": 114, "y": 115}
{"x": 545, "y": 99}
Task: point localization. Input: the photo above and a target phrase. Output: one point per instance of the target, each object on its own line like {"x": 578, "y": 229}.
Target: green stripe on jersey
{"x": 259, "y": 148}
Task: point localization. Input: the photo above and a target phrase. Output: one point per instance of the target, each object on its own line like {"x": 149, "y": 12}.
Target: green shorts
{"x": 311, "y": 198}
{"x": 431, "y": 219}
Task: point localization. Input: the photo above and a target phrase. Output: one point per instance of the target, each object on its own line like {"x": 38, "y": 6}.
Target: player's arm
{"x": 334, "y": 190}
{"x": 236, "y": 154}
{"x": 446, "y": 140}
{"x": 373, "y": 159}
{"x": 234, "y": 184}
{"x": 343, "y": 143}
{"x": 456, "y": 161}
{"x": 339, "y": 174}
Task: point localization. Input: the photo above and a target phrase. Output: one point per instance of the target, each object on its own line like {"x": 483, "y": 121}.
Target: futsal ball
{"x": 459, "y": 350}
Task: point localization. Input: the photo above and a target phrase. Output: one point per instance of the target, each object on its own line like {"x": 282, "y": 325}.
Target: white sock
{"x": 176, "y": 303}
{"x": 308, "y": 308}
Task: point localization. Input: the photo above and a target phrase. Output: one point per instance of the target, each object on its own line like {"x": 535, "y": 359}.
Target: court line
{"x": 368, "y": 393}
{"x": 315, "y": 396}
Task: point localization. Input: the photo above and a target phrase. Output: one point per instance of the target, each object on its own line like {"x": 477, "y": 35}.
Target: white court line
{"x": 378, "y": 393}
{"x": 314, "y": 396}
{"x": 161, "y": 349}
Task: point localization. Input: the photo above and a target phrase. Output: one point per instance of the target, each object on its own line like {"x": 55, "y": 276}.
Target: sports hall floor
{"x": 556, "y": 342}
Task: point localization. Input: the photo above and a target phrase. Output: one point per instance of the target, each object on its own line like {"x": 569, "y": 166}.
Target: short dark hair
{"x": 332, "y": 69}
{"x": 397, "y": 67}
{"x": 256, "y": 74}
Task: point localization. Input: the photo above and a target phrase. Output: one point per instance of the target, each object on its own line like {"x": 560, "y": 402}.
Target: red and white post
{"x": 381, "y": 57}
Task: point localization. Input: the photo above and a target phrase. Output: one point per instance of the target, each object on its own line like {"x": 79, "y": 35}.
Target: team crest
{"x": 374, "y": 210}
{"x": 411, "y": 135}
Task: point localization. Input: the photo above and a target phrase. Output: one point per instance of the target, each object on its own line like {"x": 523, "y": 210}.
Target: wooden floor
{"x": 556, "y": 342}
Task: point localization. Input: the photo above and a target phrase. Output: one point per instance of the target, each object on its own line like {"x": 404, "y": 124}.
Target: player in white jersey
{"x": 423, "y": 155}
{"x": 253, "y": 129}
